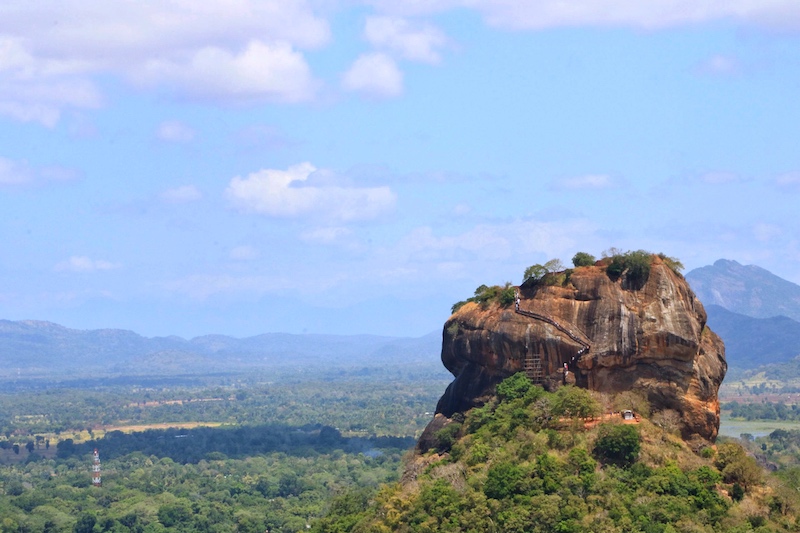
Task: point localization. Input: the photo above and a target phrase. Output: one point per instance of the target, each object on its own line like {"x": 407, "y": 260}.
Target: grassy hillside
{"x": 531, "y": 461}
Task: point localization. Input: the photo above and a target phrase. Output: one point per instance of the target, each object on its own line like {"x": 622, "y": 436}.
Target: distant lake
{"x": 757, "y": 428}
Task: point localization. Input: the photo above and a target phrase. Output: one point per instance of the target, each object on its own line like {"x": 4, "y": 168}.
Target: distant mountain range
{"x": 755, "y": 312}
{"x": 35, "y": 348}
{"x": 753, "y": 342}
{"x": 748, "y": 290}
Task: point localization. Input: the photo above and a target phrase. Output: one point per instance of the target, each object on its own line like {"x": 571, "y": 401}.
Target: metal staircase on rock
{"x": 533, "y": 367}
{"x": 533, "y": 362}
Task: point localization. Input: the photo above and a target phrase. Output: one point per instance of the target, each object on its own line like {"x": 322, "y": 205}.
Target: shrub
{"x": 670, "y": 421}
{"x": 514, "y": 387}
{"x": 14, "y": 488}
{"x": 632, "y": 400}
{"x": 86, "y": 522}
{"x": 582, "y": 259}
{"x": 479, "y": 416}
{"x": 538, "y": 273}
{"x": 635, "y": 265}
{"x": 707, "y": 452}
{"x": 574, "y": 402}
{"x": 707, "y": 476}
{"x": 453, "y": 328}
{"x": 673, "y": 263}
{"x": 554, "y": 439}
{"x": 479, "y": 453}
{"x": 534, "y": 273}
{"x": 615, "y": 267}
{"x": 744, "y": 471}
{"x": 507, "y": 295}
{"x": 457, "y": 306}
{"x": 579, "y": 462}
{"x": 503, "y": 480}
{"x": 485, "y": 295}
{"x": 618, "y": 444}
{"x": 638, "y": 266}
{"x": 727, "y": 453}
{"x": 173, "y": 514}
{"x": 446, "y": 437}
{"x": 554, "y": 265}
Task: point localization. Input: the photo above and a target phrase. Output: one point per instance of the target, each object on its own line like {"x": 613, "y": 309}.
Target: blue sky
{"x": 357, "y": 167}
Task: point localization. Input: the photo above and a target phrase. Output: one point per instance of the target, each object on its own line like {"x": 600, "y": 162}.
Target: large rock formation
{"x": 614, "y": 336}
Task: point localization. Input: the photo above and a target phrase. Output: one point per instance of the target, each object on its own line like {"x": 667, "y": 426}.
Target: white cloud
{"x": 720, "y": 178}
{"x": 789, "y": 181}
{"x": 15, "y": 173}
{"x": 21, "y": 173}
{"x": 54, "y": 173}
{"x": 719, "y": 65}
{"x": 513, "y": 14}
{"x": 263, "y": 137}
{"x": 35, "y": 89}
{"x": 261, "y": 71}
{"x": 283, "y": 193}
{"x": 243, "y": 253}
{"x": 498, "y": 241}
{"x": 81, "y": 263}
{"x": 423, "y": 243}
{"x": 181, "y": 195}
{"x": 175, "y": 131}
{"x": 416, "y": 42}
{"x": 462, "y": 209}
{"x": 327, "y": 235}
{"x": 766, "y": 232}
{"x": 51, "y": 50}
{"x": 588, "y": 181}
{"x": 425, "y": 256}
{"x": 81, "y": 126}
{"x": 374, "y": 74}
{"x": 203, "y": 286}
{"x": 553, "y": 13}
{"x": 42, "y": 99}
{"x": 96, "y": 32}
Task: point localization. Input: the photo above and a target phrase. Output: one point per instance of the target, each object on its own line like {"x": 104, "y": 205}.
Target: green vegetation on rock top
{"x": 484, "y": 295}
{"x": 634, "y": 265}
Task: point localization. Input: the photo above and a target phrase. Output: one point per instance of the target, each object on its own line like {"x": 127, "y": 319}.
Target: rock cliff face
{"x": 614, "y": 337}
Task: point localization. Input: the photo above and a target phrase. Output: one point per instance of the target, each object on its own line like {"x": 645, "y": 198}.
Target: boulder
{"x": 614, "y": 335}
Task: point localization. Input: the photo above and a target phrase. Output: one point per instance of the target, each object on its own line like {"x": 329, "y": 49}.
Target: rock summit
{"x": 614, "y": 334}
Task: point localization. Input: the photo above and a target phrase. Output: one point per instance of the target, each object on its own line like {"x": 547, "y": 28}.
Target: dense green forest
{"x": 286, "y": 447}
{"x": 367, "y": 401}
{"x": 526, "y": 462}
{"x": 762, "y": 411}
{"x": 331, "y": 453}
{"x": 780, "y": 450}
{"x": 276, "y": 491}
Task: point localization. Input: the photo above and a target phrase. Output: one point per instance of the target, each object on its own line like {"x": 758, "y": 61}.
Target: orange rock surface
{"x": 650, "y": 338}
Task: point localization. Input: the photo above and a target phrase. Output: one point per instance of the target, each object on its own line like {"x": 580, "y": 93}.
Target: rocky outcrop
{"x": 614, "y": 337}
